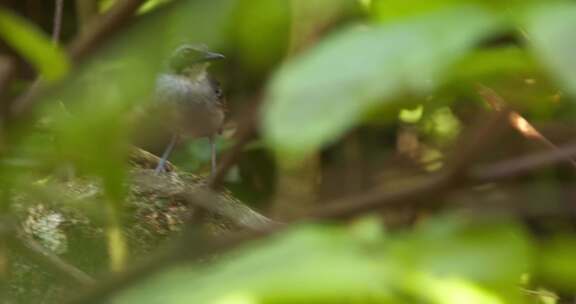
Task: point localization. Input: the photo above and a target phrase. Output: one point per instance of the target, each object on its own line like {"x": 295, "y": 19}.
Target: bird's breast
{"x": 190, "y": 106}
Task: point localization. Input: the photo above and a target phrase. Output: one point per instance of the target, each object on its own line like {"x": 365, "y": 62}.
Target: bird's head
{"x": 191, "y": 56}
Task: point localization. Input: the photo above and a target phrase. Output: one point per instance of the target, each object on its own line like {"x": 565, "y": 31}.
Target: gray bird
{"x": 189, "y": 101}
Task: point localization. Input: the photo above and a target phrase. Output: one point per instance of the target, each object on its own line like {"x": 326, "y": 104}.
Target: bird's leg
{"x": 160, "y": 168}
{"x": 212, "y": 140}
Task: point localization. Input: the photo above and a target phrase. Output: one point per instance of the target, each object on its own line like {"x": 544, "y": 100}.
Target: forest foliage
{"x": 421, "y": 147}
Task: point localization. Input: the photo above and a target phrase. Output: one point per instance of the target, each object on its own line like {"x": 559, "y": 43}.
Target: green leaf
{"x": 445, "y": 261}
{"x": 452, "y": 290}
{"x": 551, "y": 33}
{"x": 271, "y": 19}
{"x": 556, "y": 262}
{"x": 151, "y": 5}
{"x": 451, "y": 246}
{"x": 387, "y": 10}
{"x": 30, "y": 42}
{"x": 460, "y": 258}
{"x": 323, "y": 93}
{"x": 304, "y": 265}
{"x": 495, "y": 61}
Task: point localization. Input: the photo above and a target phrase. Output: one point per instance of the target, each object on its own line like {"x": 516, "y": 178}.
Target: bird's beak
{"x": 211, "y": 56}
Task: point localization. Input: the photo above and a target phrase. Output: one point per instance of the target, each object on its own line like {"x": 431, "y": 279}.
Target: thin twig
{"x": 57, "y": 24}
{"x": 436, "y": 185}
{"x": 7, "y": 74}
{"x": 247, "y": 121}
{"x": 472, "y": 146}
{"x": 86, "y": 12}
{"x": 56, "y": 30}
{"x": 517, "y": 121}
{"x": 521, "y": 165}
{"x": 231, "y": 158}
{"x": 377, "y": 199}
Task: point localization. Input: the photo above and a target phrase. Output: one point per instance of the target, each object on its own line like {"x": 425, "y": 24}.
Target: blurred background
{"x": 373, "y": 151}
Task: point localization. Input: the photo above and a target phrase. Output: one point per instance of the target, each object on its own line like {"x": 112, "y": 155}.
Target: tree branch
{"x": 469, "y": 149}
{"x": 517, "y": 121}
{"x": 57, "y": 23}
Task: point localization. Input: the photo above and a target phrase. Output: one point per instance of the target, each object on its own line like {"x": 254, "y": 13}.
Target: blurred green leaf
{"x": 307, "y": 264}
{"x": 389, "y": 10}
{"x": 30, "y": 42}
{"x": 318, "y": 96}
{"x": 442, "y": 125}
{"x": 411, "y": 115}
{"x": 104, "y": 5}
{"x": 445, "y": 261}
{"x": 460, "y": 258}
{"x": 550, "y": 30}
{"x": 556, "y": 263}
{"x": 261, "y": 32}
{"x": 151, "y": 5}
{"x": 495, "y": 61}
{"x": 452, "y": 290}
{"x": 449, "y": 246}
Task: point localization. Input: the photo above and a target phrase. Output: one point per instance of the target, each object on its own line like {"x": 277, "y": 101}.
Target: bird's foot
{"x": 159, "y": 170}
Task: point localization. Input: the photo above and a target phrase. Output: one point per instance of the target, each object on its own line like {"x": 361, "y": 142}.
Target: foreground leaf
{"x": 317, "y": 97}
{"x": 305, "y": 265}
{"x": 447, "y": 261}
{"x": 551, "y": 33}
{"x": 33, "y": 45}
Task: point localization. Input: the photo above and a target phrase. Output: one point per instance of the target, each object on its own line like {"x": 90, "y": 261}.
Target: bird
{"x": 188, "y": 101}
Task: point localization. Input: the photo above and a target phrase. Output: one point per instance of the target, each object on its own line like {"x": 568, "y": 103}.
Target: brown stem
{"x": 231, "y": 158}
{"x": 517, "y": 121}
{"x": 471, "y": 147}
{"x": 434, "y": 186}
{"x": 86, "y": 11}
{"x": 57, "y": 23}
{"x": 522, "y": 165}
{"x": 247, "y": 130}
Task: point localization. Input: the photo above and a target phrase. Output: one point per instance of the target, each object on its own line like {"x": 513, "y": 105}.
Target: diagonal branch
{"x": 517, "y": 121}
{"x": 471, "y": 147}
